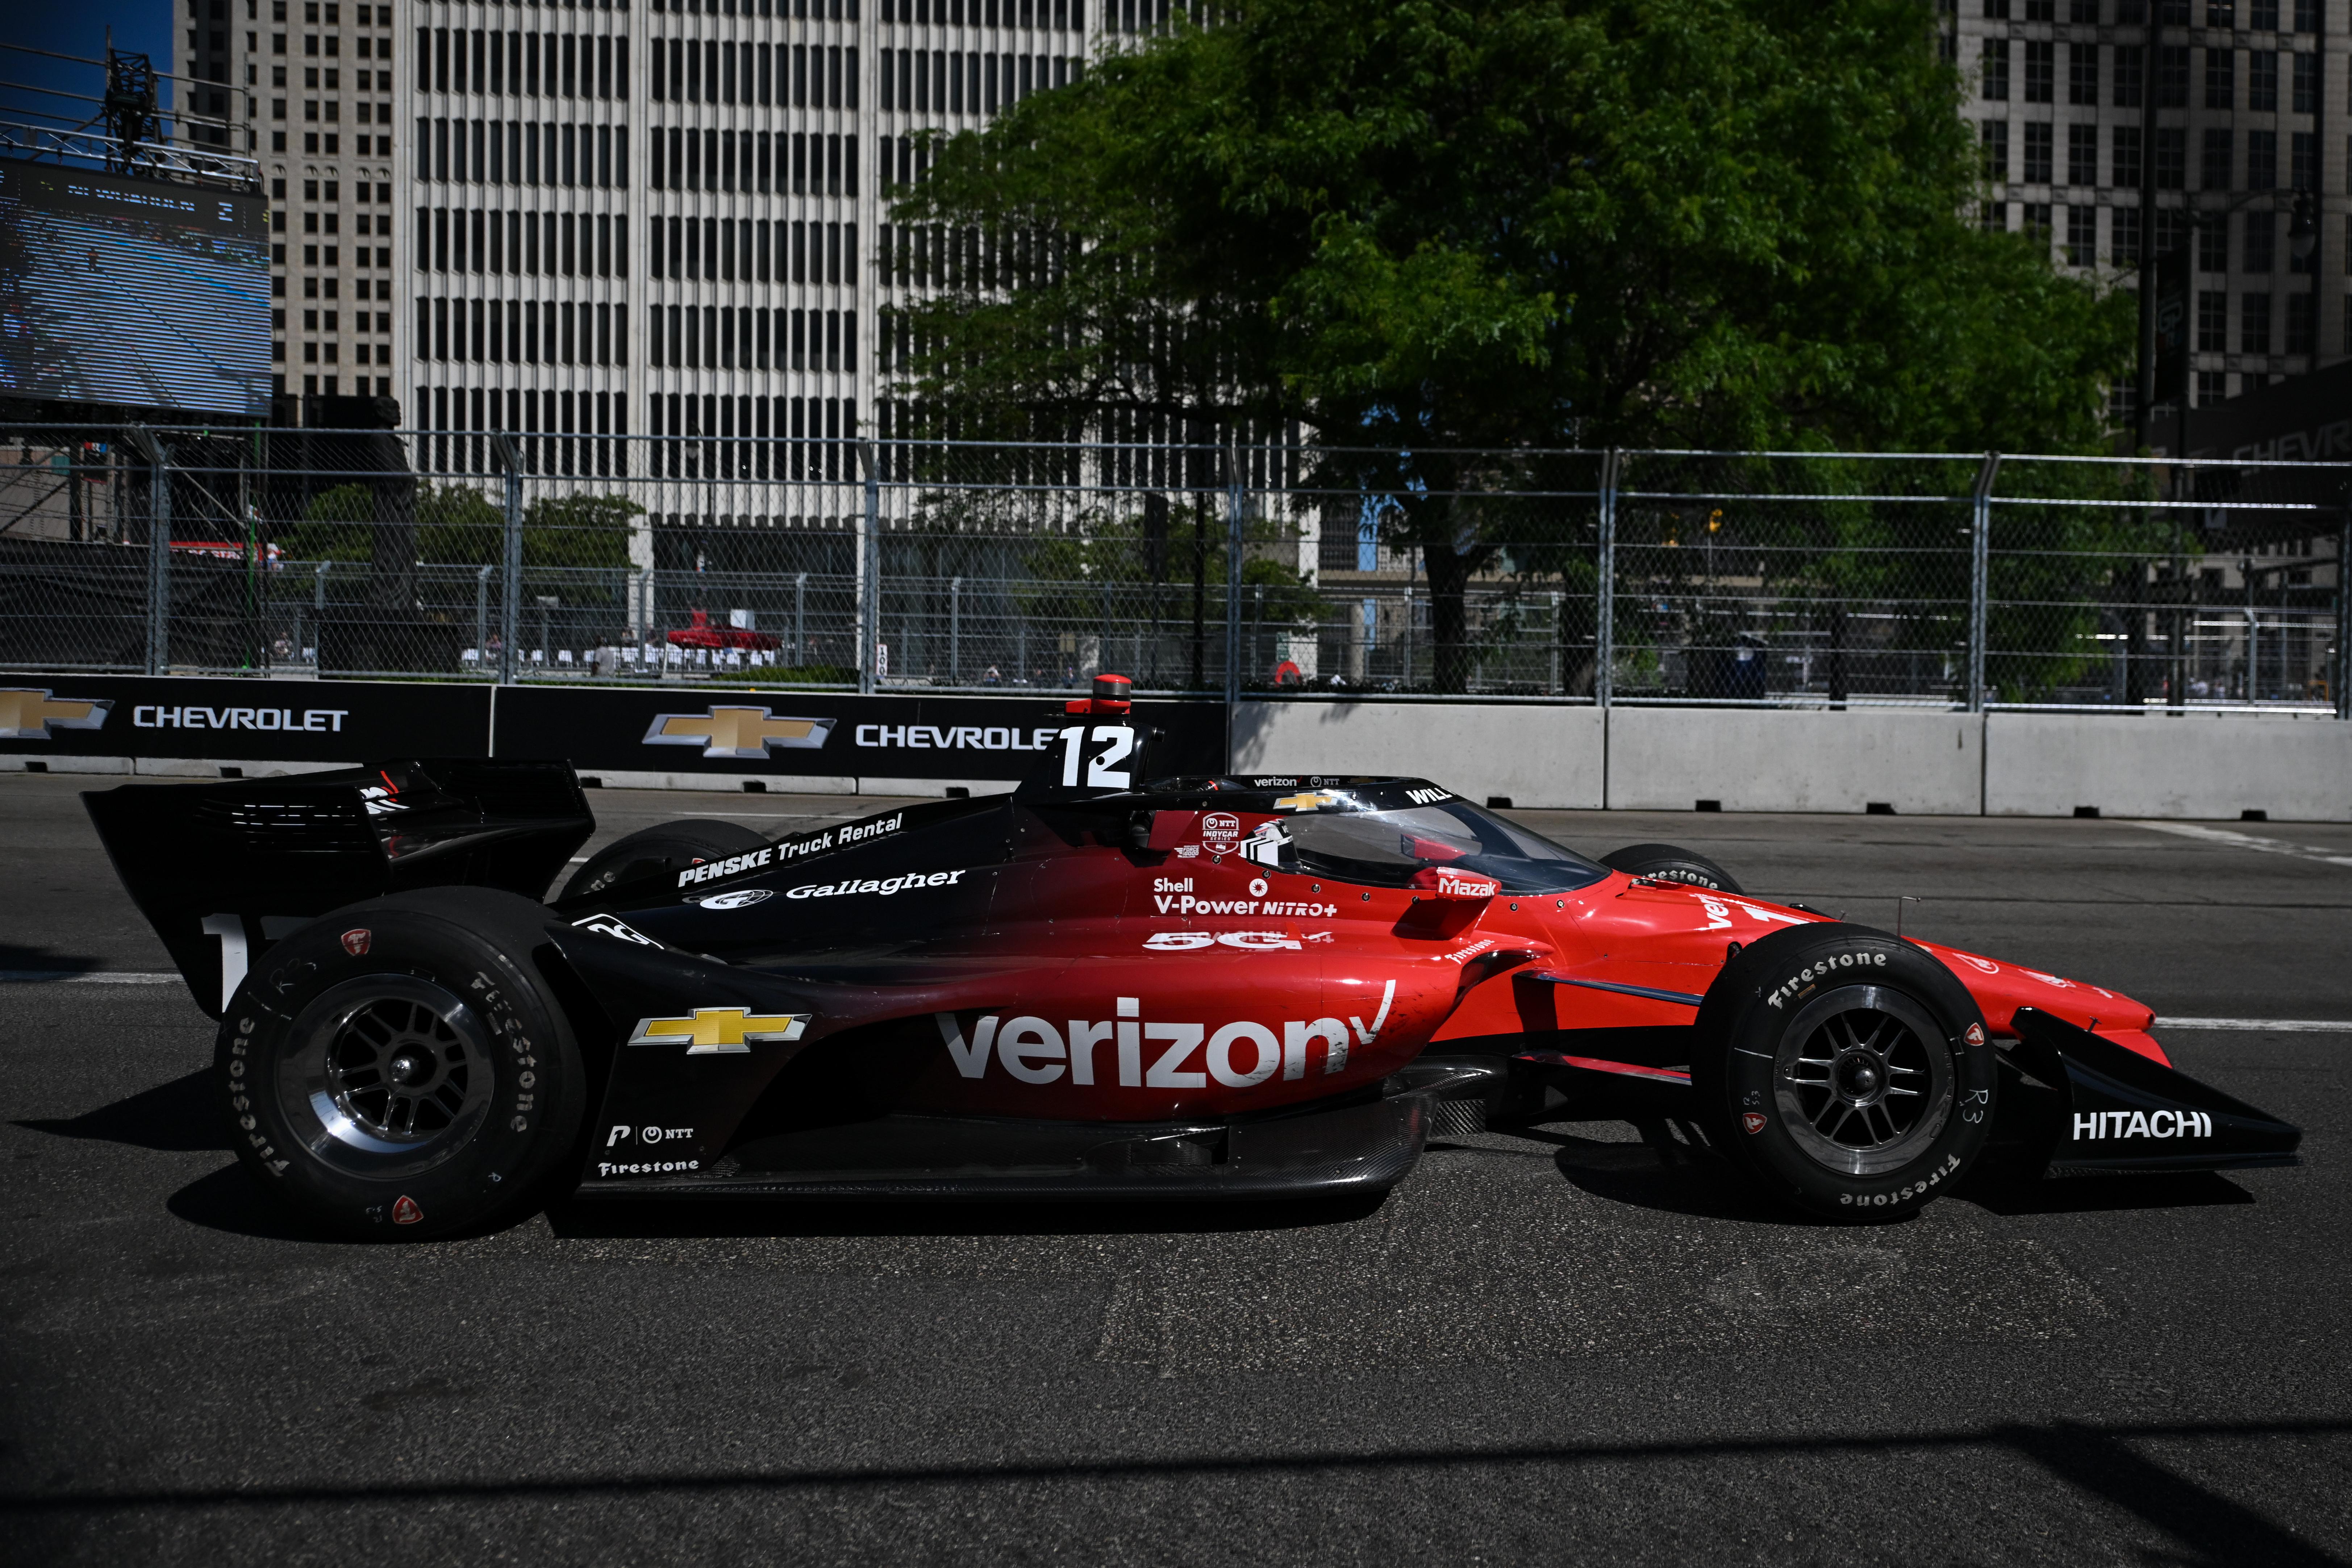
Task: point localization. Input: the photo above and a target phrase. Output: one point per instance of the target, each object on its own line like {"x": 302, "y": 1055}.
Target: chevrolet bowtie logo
{"x": 737, "y": 731}
{"x": 27, "y": 713}
{"x": 1308, "y": 802}
{"x": 720, "y": 1031}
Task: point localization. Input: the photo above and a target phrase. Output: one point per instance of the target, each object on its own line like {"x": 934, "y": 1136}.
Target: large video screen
{"x": 132, "y": 291}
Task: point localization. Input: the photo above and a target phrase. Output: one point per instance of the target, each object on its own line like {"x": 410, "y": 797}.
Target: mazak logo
{"x": 1453, "y": 884}
{"x": 740, "y": 734}
{"x": 1145, "y": 1055}
{"x": 32, "y": 713}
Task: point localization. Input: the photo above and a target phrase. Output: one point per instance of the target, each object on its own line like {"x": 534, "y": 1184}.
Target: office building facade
{"x": 2249, "y": 100}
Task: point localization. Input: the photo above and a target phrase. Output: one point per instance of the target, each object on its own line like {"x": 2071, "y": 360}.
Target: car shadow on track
{"x": 231, "y": 1200}
{"x": 603, "y": 1217}
{"x": 1670, "y": 1170}
{"x": 2104, "y": 1194}
{"x": 17, "y": 958}
{"x": 178, "y": 1117}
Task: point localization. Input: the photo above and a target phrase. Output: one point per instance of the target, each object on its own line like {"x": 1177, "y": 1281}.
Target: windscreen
{"x": 1391, "y": 849}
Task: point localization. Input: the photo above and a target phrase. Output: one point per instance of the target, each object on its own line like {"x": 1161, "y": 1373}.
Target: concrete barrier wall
{"x": 1667, "y": 759}
{"x": 1537, "y": 756}
{"x": 2192, "y": 766}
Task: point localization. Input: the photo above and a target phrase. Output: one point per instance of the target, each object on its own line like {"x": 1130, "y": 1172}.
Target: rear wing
{"x": 223, "y": 871}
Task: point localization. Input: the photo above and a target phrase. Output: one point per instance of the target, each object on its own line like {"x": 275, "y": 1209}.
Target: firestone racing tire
{"x": 1669, "y": 864}
{"x": 399, "y": 1071}
{"x": 670, "y": 847}
{"x": 1844, "y": 1071}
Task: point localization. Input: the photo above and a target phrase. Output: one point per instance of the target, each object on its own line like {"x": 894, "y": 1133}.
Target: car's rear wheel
{"x": 399, "y": 1069}
{"x": 1670, "y": 863}
{"x": 1845, "y": 1071}
{"x": 661, "y": 851}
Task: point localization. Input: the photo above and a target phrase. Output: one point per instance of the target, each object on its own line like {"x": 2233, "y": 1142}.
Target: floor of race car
{"x": 1578, "y": 1346}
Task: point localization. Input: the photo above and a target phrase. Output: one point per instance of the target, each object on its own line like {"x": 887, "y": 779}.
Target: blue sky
{"x": 74, "y": 27}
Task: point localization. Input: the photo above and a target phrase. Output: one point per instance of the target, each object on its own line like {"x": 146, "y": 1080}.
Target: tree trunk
{"x": 1449, "y": 621}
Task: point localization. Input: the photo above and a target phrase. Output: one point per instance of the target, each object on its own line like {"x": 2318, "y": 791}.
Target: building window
{"x": 1996, "y": 150}
{"x": 2123, "y": 165}
{"x": 2261, "y": 160}
{"x": 1995, "y": 68}
{"x": 2081, "y": 237}
{"x": 2082, "y": 155}
{"x": 2082, "y": 73}
{"x": 2305, "y": 89}
{"x": 2260, "y": 253}
{"x": 2220, "y": 78}
{"x": 2041, "y": 72}
{"x": 2215, "y": 167}
{"x": 2038, "y": 152}
{"x": 2255, "y": 323}
{"x": 2261, "y": 16}
{"x": 1993, "y": 217}
{"x": 2262, "y": 81}
{"x": 2123, "y": 246}
{"x": 2172, "y": 77}
{"x": 2127, "y": 76}
{"x": 2037, "y": 220}
{"x": 2306, "y": 16}
{"x": 2171, "y": 159}
{"x": 2302, "y": 159}
{"x": 2213, "y": 387}
{"x": 2212, "y": 247}
{"x": 2212, "y": 321}
{"x": 2302, "y": 323}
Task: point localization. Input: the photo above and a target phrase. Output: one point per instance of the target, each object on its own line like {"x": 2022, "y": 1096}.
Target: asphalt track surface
{"x": 1579, "y": 1347}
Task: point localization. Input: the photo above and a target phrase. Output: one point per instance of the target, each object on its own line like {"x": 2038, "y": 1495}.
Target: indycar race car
{"x": 1101, "y": 986}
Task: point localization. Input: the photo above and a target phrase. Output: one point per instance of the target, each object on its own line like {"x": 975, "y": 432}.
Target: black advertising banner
{"x": 259, "y": 721}
{"x": 676, "y": 729}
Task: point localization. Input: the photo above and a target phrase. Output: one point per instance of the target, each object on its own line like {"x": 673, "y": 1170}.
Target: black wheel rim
{"x": 387, "y": 1075}
{"x": 1864, "y": 1080}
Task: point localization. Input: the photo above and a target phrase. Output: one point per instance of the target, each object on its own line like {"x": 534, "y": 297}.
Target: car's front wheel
{"x": 1844, "y": 1070}
{"x": 399, "y": 1069}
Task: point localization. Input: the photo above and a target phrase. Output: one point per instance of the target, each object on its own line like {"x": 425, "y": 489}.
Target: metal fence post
{"x": 955, "y": 630}
{"x": 482, "y": 616}
{"x": 1980, "y": 576}
{"x": 2343, "y": 671}
{"x": 159, "y": 546}
{"x": 869, "y": 571}
{"x": 510, "y": 589}
{"x": 1604, "y": 619}
{"x": 1233, "y": 595}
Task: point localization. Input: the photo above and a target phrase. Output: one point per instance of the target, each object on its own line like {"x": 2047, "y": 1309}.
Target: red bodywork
{"x": 1186, "y": 981}
{"x": 702, "y": 633}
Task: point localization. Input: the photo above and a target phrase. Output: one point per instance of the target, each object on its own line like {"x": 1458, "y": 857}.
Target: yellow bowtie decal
{"x": 720, "y": 1031}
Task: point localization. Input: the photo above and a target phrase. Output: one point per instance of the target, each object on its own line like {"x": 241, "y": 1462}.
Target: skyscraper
{"x": 2249, "y": 100}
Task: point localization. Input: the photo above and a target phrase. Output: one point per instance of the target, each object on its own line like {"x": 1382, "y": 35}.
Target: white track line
{"x": 87, "y": 977}
{"x": 2263, "y": 1025}
{"x": 2223, "y": 836}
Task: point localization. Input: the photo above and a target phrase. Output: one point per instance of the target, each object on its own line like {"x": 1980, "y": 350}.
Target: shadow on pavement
{"x": 2100, "y": 1195}
{"x": 724, "y": 1217}
{"x": 22, "y": 960}
{"x": 1664, "y": 1171}
{"x": 2099, "y": 1463}
{"x": 177, "y": 1117}
{"x": 231, "y": 1200}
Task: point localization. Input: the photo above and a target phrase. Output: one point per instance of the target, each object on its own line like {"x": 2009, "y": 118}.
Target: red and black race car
{"x": 1102, "y": 985}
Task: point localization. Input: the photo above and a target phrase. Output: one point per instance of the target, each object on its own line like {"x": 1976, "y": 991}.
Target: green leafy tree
{"x": 1450, "y": 235}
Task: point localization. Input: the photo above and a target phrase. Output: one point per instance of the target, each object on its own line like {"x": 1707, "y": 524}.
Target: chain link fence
{"x": 1704, "y": 577}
